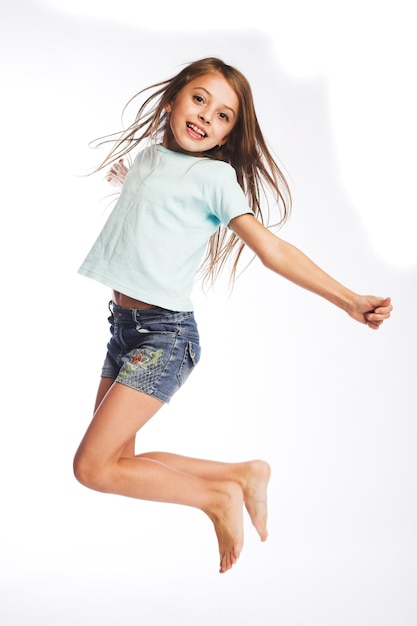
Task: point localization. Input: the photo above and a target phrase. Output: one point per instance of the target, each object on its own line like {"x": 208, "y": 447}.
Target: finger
{"x": 379, "y": 313}
{"x": 377, "y": 316}
{"x": 385, "y": 305}
{"x": 373, "y": 321}
{"x": 383, "y": 310}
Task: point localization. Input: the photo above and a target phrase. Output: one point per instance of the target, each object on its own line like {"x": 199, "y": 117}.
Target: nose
{"x": 205, "y": 117}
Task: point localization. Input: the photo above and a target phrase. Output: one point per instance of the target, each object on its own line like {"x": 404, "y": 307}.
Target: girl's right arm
{"x": 288, "y": 261}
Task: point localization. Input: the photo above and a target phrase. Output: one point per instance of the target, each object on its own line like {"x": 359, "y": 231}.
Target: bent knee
{"x": 90, "y": 474}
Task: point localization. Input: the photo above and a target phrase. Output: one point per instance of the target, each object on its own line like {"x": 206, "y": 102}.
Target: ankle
{"x": 223, "y": 495}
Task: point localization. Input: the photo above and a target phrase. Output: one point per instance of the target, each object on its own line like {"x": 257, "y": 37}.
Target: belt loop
{"x": 136, "y": 319}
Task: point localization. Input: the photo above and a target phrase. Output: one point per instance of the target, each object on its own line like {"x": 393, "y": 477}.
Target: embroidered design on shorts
{"x": 142, "y": 369}
{"x": 141, "y": 359}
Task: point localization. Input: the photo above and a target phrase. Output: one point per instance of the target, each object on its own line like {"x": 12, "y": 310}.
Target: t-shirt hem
{"x": 148, "y": 297}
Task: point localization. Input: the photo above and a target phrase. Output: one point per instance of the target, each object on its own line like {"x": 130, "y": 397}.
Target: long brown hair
{"x": 246, "y": 150}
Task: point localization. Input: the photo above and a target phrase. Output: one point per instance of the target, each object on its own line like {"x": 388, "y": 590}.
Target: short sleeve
{"x": 229, "y": 199}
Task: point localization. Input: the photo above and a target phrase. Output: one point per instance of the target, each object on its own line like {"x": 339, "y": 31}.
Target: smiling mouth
{"x": 196, "y": 130}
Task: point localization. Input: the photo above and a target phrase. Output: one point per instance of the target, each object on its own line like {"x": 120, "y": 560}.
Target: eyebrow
{"x": 223, "y": 106}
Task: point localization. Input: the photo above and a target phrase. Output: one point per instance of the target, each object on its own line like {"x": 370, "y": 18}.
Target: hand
{"x": 117, "y": 173}
{"x": 370, "y": 310}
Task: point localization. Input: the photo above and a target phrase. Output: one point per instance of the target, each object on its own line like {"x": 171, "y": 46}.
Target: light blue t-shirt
{"x": 155, "y": 238}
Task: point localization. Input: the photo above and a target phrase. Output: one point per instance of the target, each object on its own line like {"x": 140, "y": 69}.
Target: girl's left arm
{"x": 288, "y": 261}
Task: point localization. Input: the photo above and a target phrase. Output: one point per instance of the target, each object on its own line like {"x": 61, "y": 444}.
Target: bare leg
{"x": 100, "y": 464}
{"x": 103, "y": 388}
{"x": 252, "y": 476}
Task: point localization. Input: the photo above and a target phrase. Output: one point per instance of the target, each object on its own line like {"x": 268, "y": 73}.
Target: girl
{"x": 200, "y": 180}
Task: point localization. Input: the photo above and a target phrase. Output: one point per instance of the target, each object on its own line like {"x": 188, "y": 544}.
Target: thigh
{"x": 103, "y": 388}
{"x": 120, "y": 415}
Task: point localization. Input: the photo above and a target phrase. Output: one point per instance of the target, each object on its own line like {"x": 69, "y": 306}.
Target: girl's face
{"x": 202, "y": 115}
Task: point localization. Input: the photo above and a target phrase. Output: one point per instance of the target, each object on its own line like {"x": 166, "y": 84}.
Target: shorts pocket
{"x": 191, "y": 357}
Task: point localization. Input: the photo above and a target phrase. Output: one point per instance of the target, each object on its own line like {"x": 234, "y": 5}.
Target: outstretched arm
{"x": 288, "y": 261}
{"x": 117, "y": 173}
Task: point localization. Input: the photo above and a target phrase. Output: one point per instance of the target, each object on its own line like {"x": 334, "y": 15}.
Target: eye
{"x": 224, "y": 116}
{"x": 198, "y": 99}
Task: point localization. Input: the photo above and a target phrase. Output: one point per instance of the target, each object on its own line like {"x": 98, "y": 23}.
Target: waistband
{"x": 134, "y": 315}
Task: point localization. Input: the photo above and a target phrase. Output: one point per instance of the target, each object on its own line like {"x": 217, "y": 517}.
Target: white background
{"x": 284, "y": 375}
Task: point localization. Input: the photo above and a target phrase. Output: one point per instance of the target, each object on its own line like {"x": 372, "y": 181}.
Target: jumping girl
{"x": 191, "y": 199}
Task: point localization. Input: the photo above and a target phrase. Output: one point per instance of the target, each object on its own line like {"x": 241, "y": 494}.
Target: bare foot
{"x": 255, "y": 496}
{"x": 227, "y": 518}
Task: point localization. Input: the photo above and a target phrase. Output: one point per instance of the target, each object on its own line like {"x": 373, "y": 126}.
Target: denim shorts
{"x": 151, "y": 350}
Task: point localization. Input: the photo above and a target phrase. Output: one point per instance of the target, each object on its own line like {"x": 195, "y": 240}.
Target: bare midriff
{"x": 120, "y": 299}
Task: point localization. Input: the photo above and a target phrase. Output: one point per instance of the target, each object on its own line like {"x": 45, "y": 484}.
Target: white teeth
{"x": 196, "y": 129}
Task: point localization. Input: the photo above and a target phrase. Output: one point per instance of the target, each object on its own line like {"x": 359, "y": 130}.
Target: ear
{"x": 168, "y": 108}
